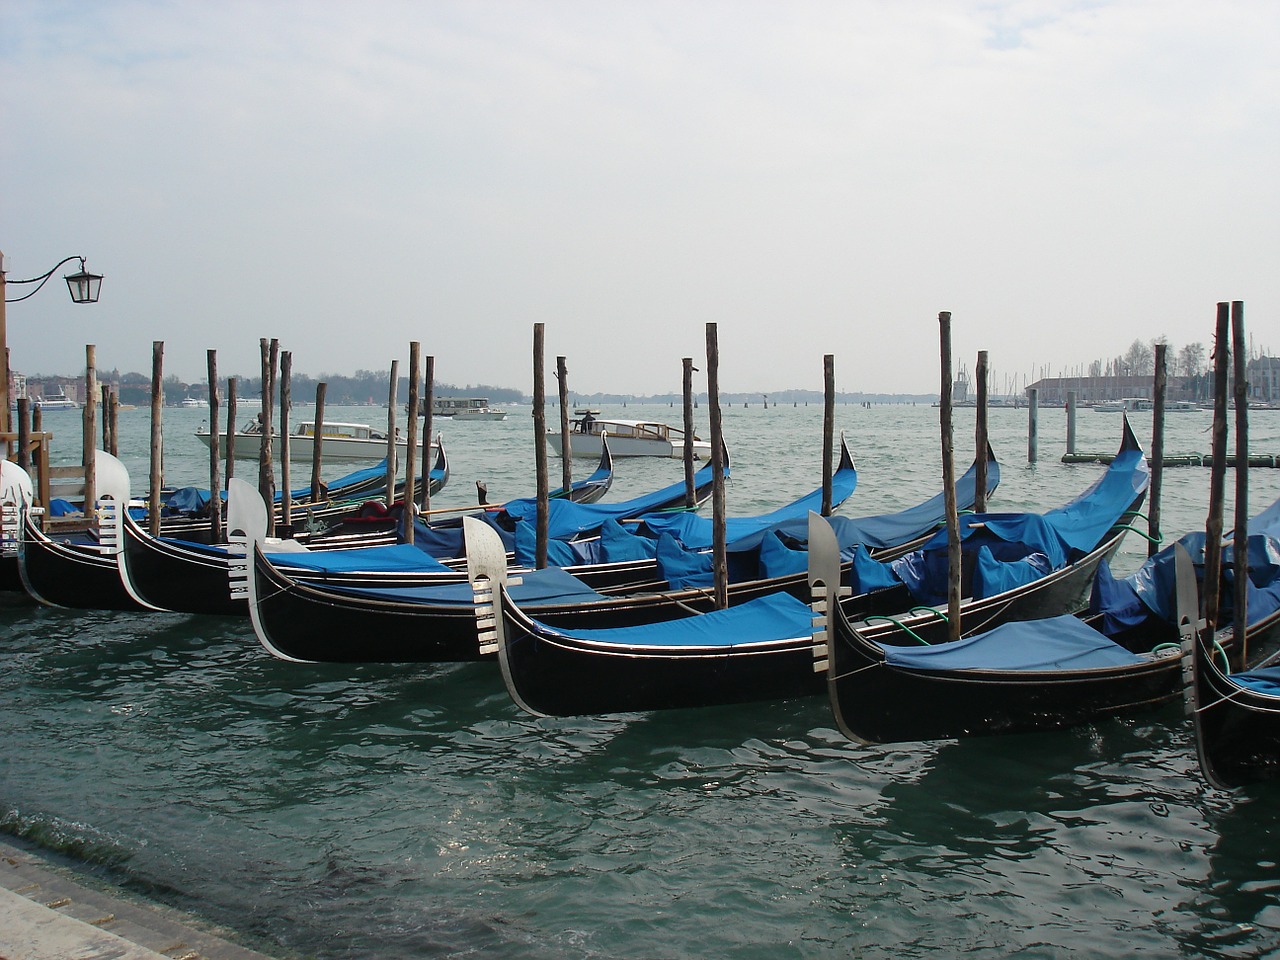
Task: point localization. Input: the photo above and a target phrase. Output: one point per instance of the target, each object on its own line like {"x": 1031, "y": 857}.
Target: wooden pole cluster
{"x": 215, "y": 473}
{"x": 949, "y": 481}
{"x": 540, "y": 444}
{"x": 156, "y": 477}
{"x": 719, "y": 558}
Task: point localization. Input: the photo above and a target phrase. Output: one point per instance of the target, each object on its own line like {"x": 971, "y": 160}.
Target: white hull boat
{"x": 340, "y": 441}
{"x": 627, "y": 438}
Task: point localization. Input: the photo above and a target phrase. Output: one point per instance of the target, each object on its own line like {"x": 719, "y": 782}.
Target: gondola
{"x": 75, "y": 569}
{"x": 1038, "y": 674}
{"x": 1121, "y": 654}
{"x": 717, "y": 658}
{"x": 16, "y": 492}
{"x": 1236, "y": 716}
{"x": 1043, "y": 673}
{"x": 322, "y": 615}
{"x": 171, "y": 573}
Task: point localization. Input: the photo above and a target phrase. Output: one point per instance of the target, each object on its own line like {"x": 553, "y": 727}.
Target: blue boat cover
{"x": 696, "y": 532}
{"x": 398, "y": 558}
{"x": 885, "y": 530}
{"x": 1151, "y": 590}
{"x": 536, "y": 588}
{"x": 1030, "y": 542}
{"x": 778, "y": 616}
{"x": 1263, "y": 680}
{"x": 568, "y": 519}
{"x": 1056, "y": 643}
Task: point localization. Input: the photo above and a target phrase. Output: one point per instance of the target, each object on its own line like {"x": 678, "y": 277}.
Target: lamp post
{"x": 83, "y": 287}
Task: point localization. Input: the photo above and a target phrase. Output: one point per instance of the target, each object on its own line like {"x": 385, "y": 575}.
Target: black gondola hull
{"x": 62, "y": 574}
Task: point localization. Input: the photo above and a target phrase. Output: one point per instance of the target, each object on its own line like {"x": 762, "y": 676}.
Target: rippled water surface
{"x": 414, "y": 811}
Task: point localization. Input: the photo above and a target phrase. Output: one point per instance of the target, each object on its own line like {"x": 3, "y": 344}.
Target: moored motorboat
{"x": 627, "y": 438}
{"x": 339, "y": 441}
{"x": 466, "y": 408}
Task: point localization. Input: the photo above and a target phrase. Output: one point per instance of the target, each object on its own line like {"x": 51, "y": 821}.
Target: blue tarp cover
{"x": 696, "y": 532}
{"x": 1263, "y": 680}
{"x": 399, "y": 558}
{"x": 772, "y": 618}
{"x": 885, "y": 530}
{"x": 1151, "y": 590}
{"x": 537, "y": 587}
{"x": 568, "y": 519}
{"x": 1057, "y": 643}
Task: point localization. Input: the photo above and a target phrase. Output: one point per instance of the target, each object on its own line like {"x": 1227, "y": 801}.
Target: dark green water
{"x": 408, "y": 811}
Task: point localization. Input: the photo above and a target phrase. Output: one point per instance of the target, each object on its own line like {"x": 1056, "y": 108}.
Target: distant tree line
{"x": 362, "y": 387}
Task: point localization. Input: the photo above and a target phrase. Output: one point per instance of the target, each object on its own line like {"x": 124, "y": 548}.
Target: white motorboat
{"x": 466, "y": 408}
{"x": 627, "y": 438}
{"x": 194, "y": 403}
{"x": 1125, "y": 405}
{"x": 341, "y": 441}
{"x": 56, "y": 401}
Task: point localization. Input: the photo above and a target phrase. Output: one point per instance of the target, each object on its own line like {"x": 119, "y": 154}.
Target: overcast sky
{"x": 1064, "y": 177}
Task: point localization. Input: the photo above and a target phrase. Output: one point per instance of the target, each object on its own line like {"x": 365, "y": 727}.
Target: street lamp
{"x": 83, "y": 287}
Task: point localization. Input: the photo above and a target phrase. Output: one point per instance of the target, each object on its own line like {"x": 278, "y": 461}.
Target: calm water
{"x": 389, "y": 811}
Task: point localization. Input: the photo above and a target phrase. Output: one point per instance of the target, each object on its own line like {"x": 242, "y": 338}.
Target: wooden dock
{"x": 1186, "y": 460}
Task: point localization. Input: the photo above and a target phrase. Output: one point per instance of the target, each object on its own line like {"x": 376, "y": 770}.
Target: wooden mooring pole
{"x": 1071, "y": 423}
{"x": 1033, "y": 424}
{"x": 828, "y": 427}
{"x": 686, "y": 380}
{"x": 981, "y": 433}
{"x": 215, "y": 471}
{"x": 719, "y": 559}
{"x": 410, "y": 500}
{"x": 392, "y": 467}
{"x": 1217, "y": 480}
{"x": 566, "y": 452}
{"x": 231, "y": 429}
{"x": 156, "y": 476}
{"x": 949, "y": 480}
{"x": 317, "y": 443}
{"x": 1160, "y": 388}
{"x": 286, "y": 458}
{"x": 90, "y": 438}
{"x": 540, "y": 444}
{"x": 1240, "y": 598}
{"x": 266, "y": 475}
{"x": 428, "y": 422}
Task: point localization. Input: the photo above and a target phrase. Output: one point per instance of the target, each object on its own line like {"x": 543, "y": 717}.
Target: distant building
{"x": 1052, "y": 391}
{"x": 1264, "y": 380}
